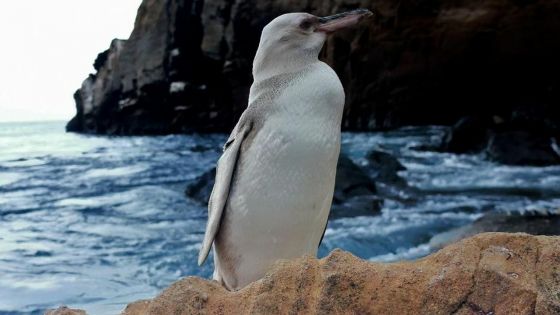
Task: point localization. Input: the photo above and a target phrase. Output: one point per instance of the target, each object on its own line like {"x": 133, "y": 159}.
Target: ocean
{"x": 96, "y": 222}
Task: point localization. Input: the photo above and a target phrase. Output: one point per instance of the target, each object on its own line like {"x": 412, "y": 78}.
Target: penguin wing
{"x": 220, "y": 192}
{"x": 323, "y": 236}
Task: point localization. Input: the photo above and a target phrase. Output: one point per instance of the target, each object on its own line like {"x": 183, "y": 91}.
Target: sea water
{"x": 96, "y": 222}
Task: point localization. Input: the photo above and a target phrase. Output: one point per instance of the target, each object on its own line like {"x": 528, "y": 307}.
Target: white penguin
{"x": 275, "y": 179}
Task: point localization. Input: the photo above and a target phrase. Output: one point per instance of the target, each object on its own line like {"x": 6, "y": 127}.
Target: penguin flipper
{"x": 220, "y": 192}
{"x": 323, "y": 236}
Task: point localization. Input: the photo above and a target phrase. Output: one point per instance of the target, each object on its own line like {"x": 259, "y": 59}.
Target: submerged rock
{"x": 385, "y": 168}
{"x": 351, "y": 180}
{"x": 364, "y": 205}
{"x": 201, "y": 188}
{"x": 493, "y": 273}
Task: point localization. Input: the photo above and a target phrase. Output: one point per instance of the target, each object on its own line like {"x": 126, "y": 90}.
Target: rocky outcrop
{"x": 159, "y": 80}
{"x": 354, "y": 193}
{"x": 186, "y": 66}
{"x": 507, "y": 142}
{"x": 522, "y": 148}
{"x": 534, "y": 223}
{"x": 359, "y": 191}
{"x": 201, "y": 188}
{"x": 494, "y": 273}
{"x": 351, "y": 181}
{"x": 468, "y": 135}
{"x": 385, "y": 168}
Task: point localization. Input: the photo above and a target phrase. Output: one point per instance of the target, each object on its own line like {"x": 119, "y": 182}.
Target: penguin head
{"x": 295, "y": 39}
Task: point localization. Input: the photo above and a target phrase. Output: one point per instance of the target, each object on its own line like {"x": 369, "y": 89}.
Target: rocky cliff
{"x": 186, "y": 66}
{"x": 494, "y": 273}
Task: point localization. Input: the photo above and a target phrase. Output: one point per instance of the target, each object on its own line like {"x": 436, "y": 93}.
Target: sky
{"x": 48, "y": 48}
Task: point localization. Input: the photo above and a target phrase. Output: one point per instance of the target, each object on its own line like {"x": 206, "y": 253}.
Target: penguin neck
{"x": 267, "y": 65}
{"x": 269, "y": 82}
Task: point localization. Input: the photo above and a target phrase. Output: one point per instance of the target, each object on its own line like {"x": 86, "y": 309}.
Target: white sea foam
{"x": 404, "y": 254}
{"x": 114, "y": 172}
{"x": 7, "y": 178}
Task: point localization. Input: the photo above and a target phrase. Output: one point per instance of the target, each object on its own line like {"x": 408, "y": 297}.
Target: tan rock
{"x": 492, "y": 273}
{"x": 138, "y": 307}
{"x": 64, "y": 310}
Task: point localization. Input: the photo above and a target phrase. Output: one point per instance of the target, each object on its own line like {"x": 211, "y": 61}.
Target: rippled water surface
{"x": 97, "y": 222}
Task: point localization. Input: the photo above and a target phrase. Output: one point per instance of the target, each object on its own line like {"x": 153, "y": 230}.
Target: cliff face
{"x": 186, "y": 66}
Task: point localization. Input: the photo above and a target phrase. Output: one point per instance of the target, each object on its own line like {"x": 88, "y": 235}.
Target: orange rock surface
{"x": 491, "y": 273}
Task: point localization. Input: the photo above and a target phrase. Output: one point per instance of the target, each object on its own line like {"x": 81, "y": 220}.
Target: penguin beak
{"x": 329, "y": 24}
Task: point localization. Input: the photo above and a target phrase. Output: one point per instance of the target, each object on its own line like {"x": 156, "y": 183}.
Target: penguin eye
{"x": 305, "y": 24}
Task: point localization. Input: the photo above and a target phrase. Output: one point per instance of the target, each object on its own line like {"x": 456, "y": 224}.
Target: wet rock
{"x": 514, "y": 140}
{"x": 187, "y": 64}
{"x": 351, "y": 181}
{"x": 365, "y": 205}
{"x": 201, "y": 188}
{"x": 493, "y": 273}
{"x": 468, "y": 135}
{"x": 385, "y": 168}
{"x": 530, "y": 223}
{"x": 522, "y": 148}
{"x": 353, "y": 194}
{"x": 138, "y": 307}
{"x": 63, "y": 310}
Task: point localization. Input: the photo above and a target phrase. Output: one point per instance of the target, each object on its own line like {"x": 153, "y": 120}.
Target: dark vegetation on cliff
{"x": 187, "y": 68}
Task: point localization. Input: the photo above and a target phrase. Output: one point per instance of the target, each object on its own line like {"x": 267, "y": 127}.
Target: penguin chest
{"x": 288, "y": 172}
{"x": 301, "y": 153}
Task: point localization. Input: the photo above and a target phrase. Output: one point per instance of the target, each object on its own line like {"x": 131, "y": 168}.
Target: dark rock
{"x": 187, "y": 64}
{"x": 536, "y": 119}
{"x": 365, "y": 205}
{"x": 351, "y": 181}
{"x": 158, "y": 81}
{"x": 530, "y": 223}
{"x": 523, "y": 138}
{"x": 385, "y": 168}
{"x": 201, "y": 188}
{"x": 522, "y": 148}
{"x": 353, "y": 194}
{"x": 75, "y": 124}
{"x": 468, "y": 135}
{"x": 100, "y": 60}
